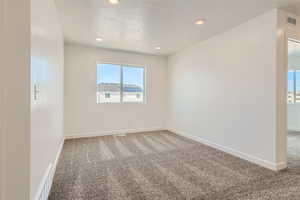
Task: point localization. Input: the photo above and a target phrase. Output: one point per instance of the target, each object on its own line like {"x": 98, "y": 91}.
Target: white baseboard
{"x": 244, "y": 156}
{"x": 84, "y": 134}
{"x": 58, "y": 154}
{"x": 46, "y": 183}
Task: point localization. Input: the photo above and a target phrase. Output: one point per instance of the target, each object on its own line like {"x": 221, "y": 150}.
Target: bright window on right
{"x": 293, "y": 94}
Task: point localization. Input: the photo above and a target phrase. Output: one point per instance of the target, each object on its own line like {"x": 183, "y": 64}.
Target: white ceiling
{"x": 141, "y": 25}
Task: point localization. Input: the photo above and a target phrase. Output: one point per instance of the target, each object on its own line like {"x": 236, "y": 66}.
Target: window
{"x": 133, "y": 84}
{"x": 291, "y": 89}
{"x": 293, "y": 94}
{"x": 297, "y": 86}
{"x": 120, "y": 83}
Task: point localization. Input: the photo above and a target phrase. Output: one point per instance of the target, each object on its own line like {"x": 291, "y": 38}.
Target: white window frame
{"x": 121, "y": 83}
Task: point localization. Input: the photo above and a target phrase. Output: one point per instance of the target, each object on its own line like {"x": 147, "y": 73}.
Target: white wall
{"x": 15, "y": 99}
{"x": 294, "y": 117}
{"x": 47, "y": 72}
{"x": 223, "y": 91}
{"x": 84, "y": 117}
{"x": 294, "y": 62}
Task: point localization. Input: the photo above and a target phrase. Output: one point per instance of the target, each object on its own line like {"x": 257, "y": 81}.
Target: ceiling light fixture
{"x": 114, "y": 1}
{"x": 99, "y": 39}
{"x": 200, "y": 21}
{"x": 158, "y": 48}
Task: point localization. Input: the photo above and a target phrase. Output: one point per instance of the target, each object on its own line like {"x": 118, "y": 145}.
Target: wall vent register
{"x": 292, "y": 21}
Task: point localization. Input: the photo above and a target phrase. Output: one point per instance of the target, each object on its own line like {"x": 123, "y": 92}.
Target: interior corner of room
{"x": 107, "y": 99}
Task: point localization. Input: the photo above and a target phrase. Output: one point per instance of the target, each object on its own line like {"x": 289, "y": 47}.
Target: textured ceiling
{"x": 142, "y": 25}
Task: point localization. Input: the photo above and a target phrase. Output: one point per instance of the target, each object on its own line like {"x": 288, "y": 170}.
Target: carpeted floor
{"x": 162, "y": 165}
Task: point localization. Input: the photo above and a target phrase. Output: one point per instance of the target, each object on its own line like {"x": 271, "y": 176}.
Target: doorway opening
{"x": 293, "y": 103}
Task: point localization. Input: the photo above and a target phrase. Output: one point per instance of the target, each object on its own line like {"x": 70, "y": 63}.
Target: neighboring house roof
{"x": 115, "y": 87}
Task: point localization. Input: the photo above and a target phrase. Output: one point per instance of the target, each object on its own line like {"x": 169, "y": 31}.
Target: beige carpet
{"x": 162, "y": 165}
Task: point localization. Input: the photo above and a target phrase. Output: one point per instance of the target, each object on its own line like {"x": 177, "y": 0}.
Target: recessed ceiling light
{"x": 200, "y": 21}
{"x": 114, "y": 1}
{"x": 99, "y": 39}
{"x": 158, "y": 48}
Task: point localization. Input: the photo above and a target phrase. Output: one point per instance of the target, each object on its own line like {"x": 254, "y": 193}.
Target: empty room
{"x": 150, "y": 100}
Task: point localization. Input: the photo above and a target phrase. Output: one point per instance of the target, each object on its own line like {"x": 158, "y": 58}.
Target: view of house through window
{"x": 119, "y": 83}
{"x": 293, "y": 95}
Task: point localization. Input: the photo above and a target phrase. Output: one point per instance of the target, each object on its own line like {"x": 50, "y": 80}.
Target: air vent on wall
{"x": 291, "y": 20}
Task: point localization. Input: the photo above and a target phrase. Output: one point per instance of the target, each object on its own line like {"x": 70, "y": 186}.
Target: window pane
{"x": 290, "y": 94}
{"x": 297, "y": 98}
{"x": 108, "y": 83}
{"x": 133, "y": 84}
